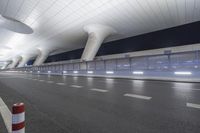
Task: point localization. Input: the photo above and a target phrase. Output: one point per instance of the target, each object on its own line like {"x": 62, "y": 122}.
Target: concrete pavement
{"x": 65, "y": 104}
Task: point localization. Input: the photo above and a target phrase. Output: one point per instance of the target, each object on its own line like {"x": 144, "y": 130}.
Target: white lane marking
{"x": 41, "y": 80}
{"x": 50, "y": 82}
{"x": 193, "y": 105}
{"x": 76, "y": 86}
{"x": 137, "y": 96}
{"x": 6, "y": 115}
{"x": 99, "y": 90}
{"x": 60, "y": 83}
{"x": 34, "y": 79}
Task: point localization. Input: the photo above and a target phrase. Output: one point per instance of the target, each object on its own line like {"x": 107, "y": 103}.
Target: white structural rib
{"x": 42, "y": 56}
{"x": 96, "y": 35}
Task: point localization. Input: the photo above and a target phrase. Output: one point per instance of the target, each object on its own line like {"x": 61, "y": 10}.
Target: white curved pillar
{"x": 43, "y": 54}
{"x": 25, "y": 59}
{"x": 6, "y": 65}
{"x": 15, "y": 61}
{"x": 96, "y": 35}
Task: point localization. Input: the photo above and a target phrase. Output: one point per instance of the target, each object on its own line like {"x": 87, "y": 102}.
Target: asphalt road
{"x": 66, "y": 104}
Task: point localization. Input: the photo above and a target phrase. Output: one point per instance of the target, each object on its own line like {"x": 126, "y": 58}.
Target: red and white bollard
{"x": 18, "y": 118}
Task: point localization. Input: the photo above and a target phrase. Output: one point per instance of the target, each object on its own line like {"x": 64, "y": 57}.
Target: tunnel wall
{"x": 157, "y": 67}
{"x": 177, "y": 36}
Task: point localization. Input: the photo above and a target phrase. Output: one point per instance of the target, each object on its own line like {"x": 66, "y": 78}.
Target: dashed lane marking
{"x": 138, "y": 96}
{"x": 76, "y": 86}
{"x": 98, "y": 90}
{"x": 60, "y": 83}
{"x": 193, "y": 105}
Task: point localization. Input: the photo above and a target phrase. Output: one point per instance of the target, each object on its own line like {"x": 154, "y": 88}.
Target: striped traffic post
{"x": 18, "y": 118}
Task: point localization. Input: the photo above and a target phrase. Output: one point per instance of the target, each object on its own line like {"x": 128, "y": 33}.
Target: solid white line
{"x": 138, "y": 96}
{"x": 60, "y": 83}
{"x": 99, "y": 90}
{"x": 193, "y": 105}
{"x": 76, "y": 86}
{"x": 6, "y": 115}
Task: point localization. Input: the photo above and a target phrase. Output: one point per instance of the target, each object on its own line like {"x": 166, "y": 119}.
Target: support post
{"x": 43, "y": 54}
{"x": 96, "y": 35}
{"x": 25, "y": 59}
{"x": 18, "y": 118}
{"x": 15, "y": 61}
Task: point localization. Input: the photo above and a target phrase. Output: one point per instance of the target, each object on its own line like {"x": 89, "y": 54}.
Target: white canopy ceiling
{"x": 59, "y": 23}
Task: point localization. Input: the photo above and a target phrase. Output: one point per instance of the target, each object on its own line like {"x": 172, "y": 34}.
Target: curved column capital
{"x": 15, "y": 61}
{"x": 100, "y": 30}
{"x": 96, "y": 35}
{"x": 42, "y": 56}
{"x": 25, "y": 59}
{"x": 6, "y": 64}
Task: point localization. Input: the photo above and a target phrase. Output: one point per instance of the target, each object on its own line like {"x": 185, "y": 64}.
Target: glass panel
{"x": 70, "y": 67}
{"x": 91, "y": 65}
{"x": 123, "y": 64}
{"x": 183, "y": 60}
{"x": 65, "y": 67}
{"x": 100, "y": 65}
{"x": 61, "y": 67}
{"x": 57, "y": 67}
{"x": 158, "y": 62}
{"x": 139, "y": 63}
{"x": 111, "y": 65}
{"x": 76, "y": 66}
